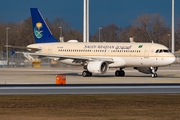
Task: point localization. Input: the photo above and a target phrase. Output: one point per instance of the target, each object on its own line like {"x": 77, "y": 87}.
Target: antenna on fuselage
{"x": 131, "y": 39}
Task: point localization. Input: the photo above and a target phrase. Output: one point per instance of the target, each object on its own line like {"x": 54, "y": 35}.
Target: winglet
{"x": 42, "y": 33}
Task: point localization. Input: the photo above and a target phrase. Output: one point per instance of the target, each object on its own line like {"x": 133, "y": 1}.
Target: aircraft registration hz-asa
{"x": 98, "y": 57}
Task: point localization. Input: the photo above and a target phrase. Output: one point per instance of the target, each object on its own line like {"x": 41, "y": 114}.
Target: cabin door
{"x": 146, "y": 52}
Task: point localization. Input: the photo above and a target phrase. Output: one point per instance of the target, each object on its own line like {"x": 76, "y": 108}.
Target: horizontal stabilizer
{"x": 20, "y": 47}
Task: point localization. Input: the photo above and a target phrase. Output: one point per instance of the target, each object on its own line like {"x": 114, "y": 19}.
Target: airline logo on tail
{"x": 37, "y": 30}
{"x": 42, "y": 33}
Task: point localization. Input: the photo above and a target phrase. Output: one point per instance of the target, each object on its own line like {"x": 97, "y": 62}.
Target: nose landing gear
{"x": 153, "y": 72}
{"x": 154, "y": 75}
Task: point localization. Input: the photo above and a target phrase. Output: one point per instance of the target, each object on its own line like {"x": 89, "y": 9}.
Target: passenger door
{"x": 146, "y": 52}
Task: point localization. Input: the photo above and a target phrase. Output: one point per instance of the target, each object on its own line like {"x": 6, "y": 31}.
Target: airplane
{"x": 98, "y": 57}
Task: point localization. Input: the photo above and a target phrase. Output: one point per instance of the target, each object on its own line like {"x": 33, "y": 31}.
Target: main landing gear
{"x": 86, "y": 74}
{"x": 153, "y": 72}
{"x": 120, "y": 73}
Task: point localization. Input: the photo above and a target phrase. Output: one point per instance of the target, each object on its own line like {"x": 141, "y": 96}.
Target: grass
{"x": 90, "y": 107}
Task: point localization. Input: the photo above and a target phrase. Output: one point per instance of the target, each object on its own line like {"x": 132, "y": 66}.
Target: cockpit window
{"x": 166, "y": 51}
{"x": 162, "y": 50}
{"x": 157, "y": 51}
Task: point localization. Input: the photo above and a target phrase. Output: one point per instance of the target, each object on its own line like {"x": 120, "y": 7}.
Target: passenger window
{"x": 160, "y": 51}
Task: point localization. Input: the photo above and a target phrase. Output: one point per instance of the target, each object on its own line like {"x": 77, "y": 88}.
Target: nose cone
{"x": 171, "y": 59}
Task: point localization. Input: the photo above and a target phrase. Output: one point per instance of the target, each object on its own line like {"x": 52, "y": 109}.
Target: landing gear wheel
{"x": 154, "y": 75}
{"x": 86, "y": 74}
{"x": 120, "y": 73}
{"x": 117, "y": 73}
{"x": 90, "y": 74}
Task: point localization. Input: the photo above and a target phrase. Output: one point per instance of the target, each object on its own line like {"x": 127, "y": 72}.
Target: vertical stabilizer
{"x": 41, "y": 31}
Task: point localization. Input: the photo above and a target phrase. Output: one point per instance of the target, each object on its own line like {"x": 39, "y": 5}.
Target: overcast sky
{"x": 102, "y": 12}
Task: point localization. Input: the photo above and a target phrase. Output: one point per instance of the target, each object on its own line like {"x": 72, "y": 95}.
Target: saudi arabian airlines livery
{"x": 98, "y": 57}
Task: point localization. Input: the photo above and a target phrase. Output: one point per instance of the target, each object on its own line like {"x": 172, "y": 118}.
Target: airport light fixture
{"x": 60, "y": 31}
{"x": 7, "y": 46}
{"x": 169, "y": 35}
{"x": 172, "y": 35}
{"x": 86, "y": 21}
{"x": 100, "y": 34}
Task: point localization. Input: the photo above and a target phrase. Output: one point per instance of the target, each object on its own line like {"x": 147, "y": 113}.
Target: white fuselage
{"x": 122, "y": 54}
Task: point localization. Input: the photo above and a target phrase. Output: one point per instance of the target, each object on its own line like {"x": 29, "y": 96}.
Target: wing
{"x": 75, "y": 58}
{"x": 59, "y": 57}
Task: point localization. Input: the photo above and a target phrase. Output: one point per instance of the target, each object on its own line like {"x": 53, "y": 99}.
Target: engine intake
{"x": 98, "y": 67}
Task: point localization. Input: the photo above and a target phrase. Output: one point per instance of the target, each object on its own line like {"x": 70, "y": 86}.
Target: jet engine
{"x": 146, "y": 70}
{"x": 98, "y": 67}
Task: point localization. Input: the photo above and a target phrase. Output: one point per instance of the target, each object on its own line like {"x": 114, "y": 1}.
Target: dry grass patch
{"x": 100, "y": 107}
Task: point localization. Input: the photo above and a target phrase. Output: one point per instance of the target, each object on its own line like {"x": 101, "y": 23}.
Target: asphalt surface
{"x": 91, "y": 89}
{"x": 28, "y": 80}
{"x": 47, "y": 75}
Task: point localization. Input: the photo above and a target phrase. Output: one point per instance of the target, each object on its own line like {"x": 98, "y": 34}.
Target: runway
{"x": 47, "y": 75}
{"x": 90, "y": 89}
{"x": 28, "y": 80}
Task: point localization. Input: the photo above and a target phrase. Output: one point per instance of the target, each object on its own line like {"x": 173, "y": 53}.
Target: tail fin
{"x": 42, "y": 34}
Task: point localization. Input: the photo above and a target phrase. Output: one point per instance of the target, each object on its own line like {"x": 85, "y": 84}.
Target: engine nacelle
{"x": 98, "y": 67}
{"x": 146, "y": 70}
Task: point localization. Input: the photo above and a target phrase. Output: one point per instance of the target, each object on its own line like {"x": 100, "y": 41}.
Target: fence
{"x": 18, "y": 60}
